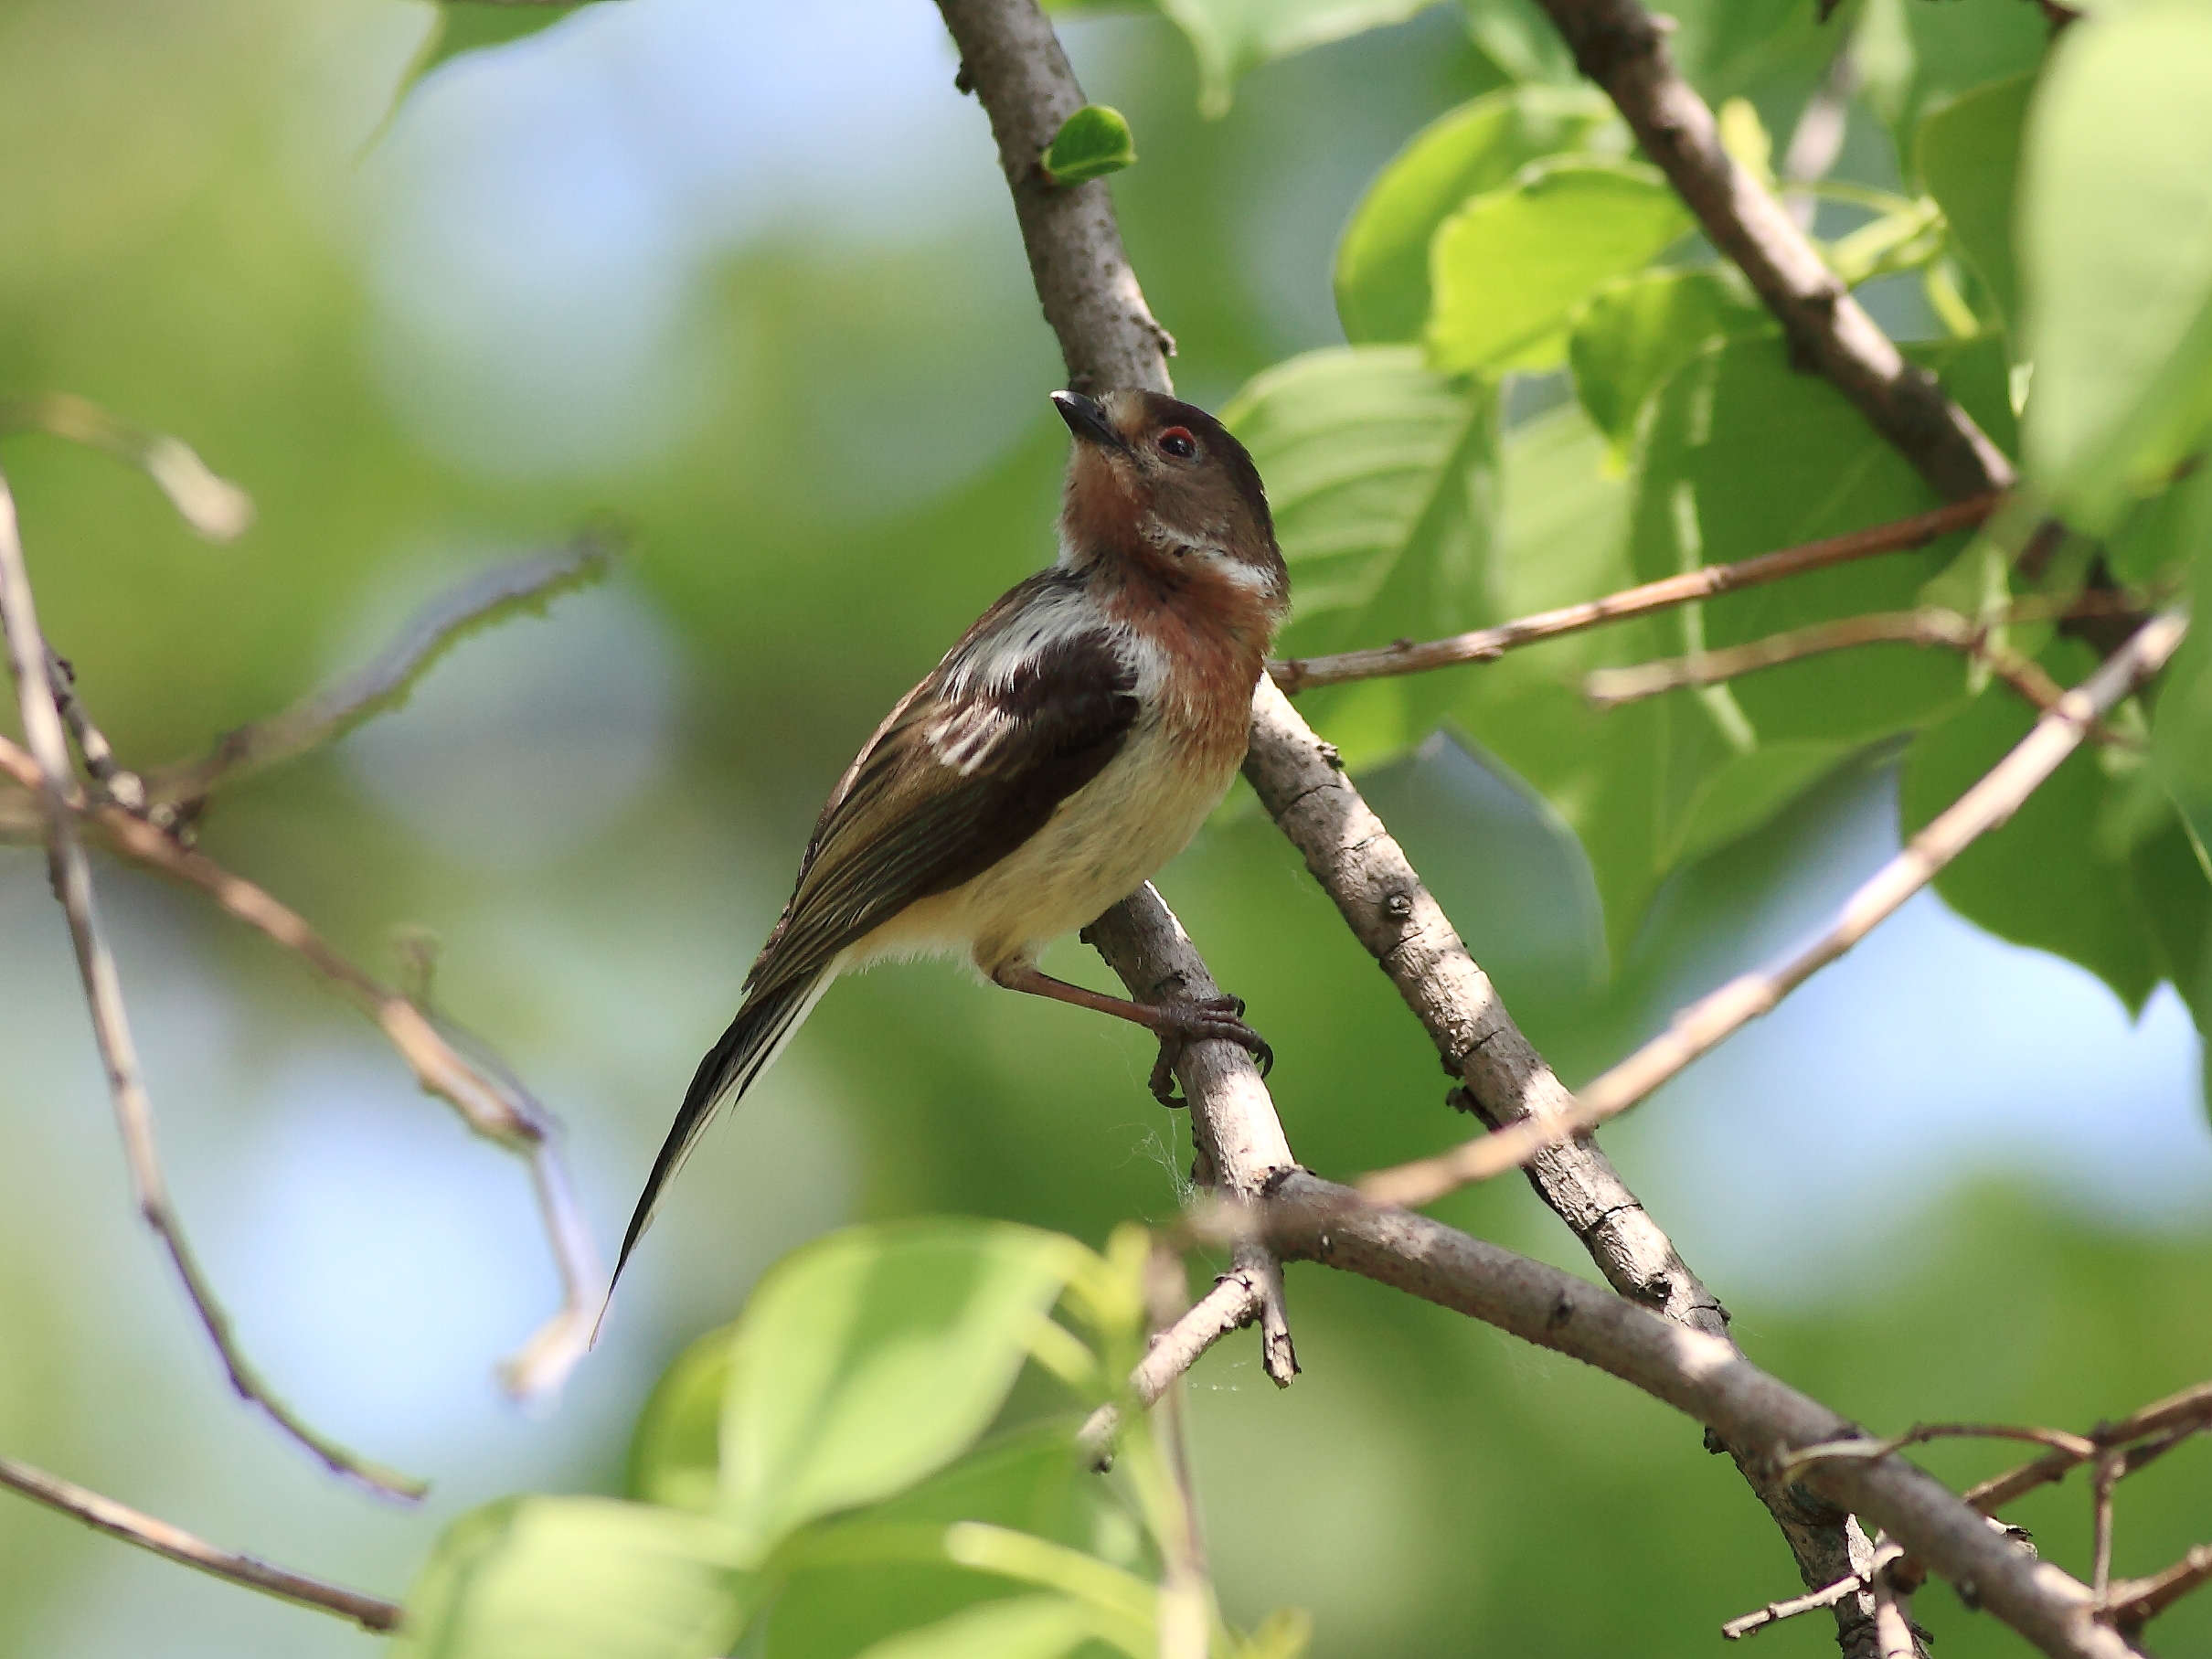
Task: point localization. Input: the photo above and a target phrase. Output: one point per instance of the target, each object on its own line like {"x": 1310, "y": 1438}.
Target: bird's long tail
{"x": 765, "y": 1022}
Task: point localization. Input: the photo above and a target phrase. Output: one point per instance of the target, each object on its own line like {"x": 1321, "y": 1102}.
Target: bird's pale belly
{"x": 1105, "y": 842}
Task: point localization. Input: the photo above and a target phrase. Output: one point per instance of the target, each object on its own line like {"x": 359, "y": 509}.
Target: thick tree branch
{"x": 1618, "y": 45}
{"x": 46, "y": 772}
{"x": 1091, "y": 297}
{"x": 1697, "y": 1028}
{"x": 1295, "y": 674}
{"x": 372, "y": 1613}
{"x": 1702, "y": 1376}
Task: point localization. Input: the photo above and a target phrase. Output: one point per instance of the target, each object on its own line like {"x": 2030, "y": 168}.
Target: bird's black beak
{"x": 1087, "y": 418}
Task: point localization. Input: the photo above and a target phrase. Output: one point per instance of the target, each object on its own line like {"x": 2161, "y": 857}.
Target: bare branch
{"x": 1697, "y": 1028}
{"x": 49, "y": 778}
{"x": 1483, "y": 644}
{"x": 124, "y": 787}
{"x": 212, "y": 506}
{"x": 1233, "y": 1302}
{"x": 372, "y": 1613}
{"x": 386, "y": 681}
{"x": 1618, "y": 45}
{"x": 2138, "y": 1600}
{"x": 1920, "y": 1434}
{"x": 1309, "y": 1218}
{"x": 488, "y": 1098}
{"x": 1775, "y": 1612}
{"x": 1012, "y": 60}
{"x": 1931, "y": 627}
{"x": 2147, "y": 1433}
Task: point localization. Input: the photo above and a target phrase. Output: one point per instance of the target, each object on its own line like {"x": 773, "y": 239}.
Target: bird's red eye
{"x": 1177, "y": 441}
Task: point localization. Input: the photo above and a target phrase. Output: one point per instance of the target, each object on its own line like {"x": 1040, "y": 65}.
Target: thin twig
{"x": 1697, "y": 1028}
{"x": 1295, "y": 674}
{"x": 1928, "y": 627}
{"x": 212, "y": 506}
{"x": 2162, "y": 1423}
{"x": 489, "y": 1101}
{"x": 1775, "y": 1612}
{"x": 387, "y": 679}
{"x": 1920, "y": 1434}
{"x": 2136, "y": 1601}
{"x": 1233, "y": 1303}
{"x": 372, "y": 1613}
{"x": 1618, "y": 45}
{"x": 119, "y": 784}
{"x": 49, "y": 777}
{"x": 2102, "y": 1479}
{"x": 1186, "y": 1601}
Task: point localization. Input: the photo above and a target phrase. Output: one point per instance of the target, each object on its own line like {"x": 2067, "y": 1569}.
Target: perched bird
{"x": 1068, "y": 746}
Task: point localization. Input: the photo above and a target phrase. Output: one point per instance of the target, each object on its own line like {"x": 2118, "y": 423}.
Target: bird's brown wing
{"x": 969, "y": 766}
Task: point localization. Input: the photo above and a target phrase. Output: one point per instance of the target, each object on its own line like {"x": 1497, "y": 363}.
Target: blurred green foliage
{"x": 830, "y": 484}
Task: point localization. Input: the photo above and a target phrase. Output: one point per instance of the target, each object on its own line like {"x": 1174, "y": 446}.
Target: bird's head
{"x": 1162, "y": 486}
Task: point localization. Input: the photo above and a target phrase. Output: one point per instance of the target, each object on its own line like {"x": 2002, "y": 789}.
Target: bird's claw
{"x": 1202, "y": 1019}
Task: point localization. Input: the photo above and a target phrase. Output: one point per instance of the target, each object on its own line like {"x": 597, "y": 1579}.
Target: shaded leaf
{"x": 1510, "y": 268}
{"x": 1968, "y": 153}
{"x": 1634, "y": 333}
{"x": 1232, "y": 37}
{"x": 1521, "y": 40}
{"x": 874, "y": 1357}
{"x": 1382, "y": 261}
{"x": 1091, "y": 143}
{"x": 2116, "y": 258}
{"x": 575, "y": 1578}
{"x": 1382, "y": 475}
{"x": 1913, "y": 55}
{"x": 2042, "y": 878}
{"x": 460, "y": 27}
{"x": 1739, "y": 456}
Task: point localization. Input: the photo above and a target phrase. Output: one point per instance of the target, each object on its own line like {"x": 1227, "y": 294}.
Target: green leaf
{"x": 1091, "y": 143}
{"x": 1635, "y": 332}
{"x": 1232, "y": 37}
{"x": 1382, "y": 475}
{"x": 575, "y": 1578}
{"x": 1913, "y": 55}
{"x": 460, "y": 27}
{"x": 2164, "y": 536}
{"x": 1968, "y": 153}
{"x": 1741, "y": 454}
{"x": 2116, "y": 259}
{"x": 675, "y": 1450}
{"x": 1511, "y": 267}
{"x": 2181, "y": 721}
{"x": 1382, "y": 263}
{"x": 839, "y": 1600}
{"x": 2042, "y": 879}
{"x": 875, "y": 1356}
{"x": 1027, "y": 1627}
{"x": 1521, "y": 40}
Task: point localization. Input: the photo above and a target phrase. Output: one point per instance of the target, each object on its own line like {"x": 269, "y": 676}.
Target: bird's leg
{"x": 1176, "y": 1023}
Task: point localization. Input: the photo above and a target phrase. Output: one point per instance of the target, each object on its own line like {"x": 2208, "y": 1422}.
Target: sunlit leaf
{"x": 1029, "y": 1627}
{"x": 2116, "y": 258}
{"x": 576, "y": 1578}
{"x": 1969, "y": 156}
{"x": 1091, "y": 143}
{"x": 676, "y": 1450}
{"x": 1512, "y": 266}
{"x": 1382, "y": 263}
{"x": 875, "y": 1356}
